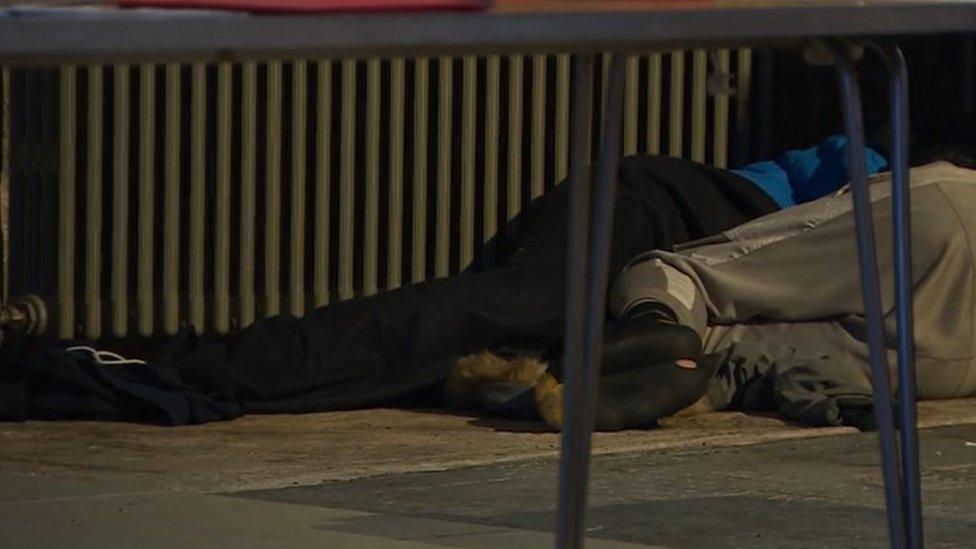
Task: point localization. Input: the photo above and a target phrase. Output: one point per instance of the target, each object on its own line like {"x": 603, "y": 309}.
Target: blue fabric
{"x": 803, "y": 175}
{"x": 772, "y": 179}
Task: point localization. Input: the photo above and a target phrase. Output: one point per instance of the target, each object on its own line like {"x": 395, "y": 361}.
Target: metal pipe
{"x": 248, "y": 219}
{"x": 867, "y": 259}
{"x": 93, "y": 205}
{"x": 394, "y": 245}
{"x": 272, "y": 191}
{"x": 743, "y": 92}
{"x": 514, "y": 203}
{"x": 537, "y": 146}
{"x": 720, "y": 125}
{"x": 654, "y": 77}
{"x": 147, "y": 195}
{"x": 418, "y": 263}
{"x": 323, "y": 182}
{"x": 445, "y": 112}
{"x": 371, "y": 189}
{"x": 601, "y": 226}
{"x": 299, "y": 122}
{"x": 492, "y": 122}
{"x": 198, "y": 171}
{"x": 221, "y": 222}
{"x": 171, "y": 201}
{"x": 66, "y": 201}
{"x": 561, "y": 126}
{"x": 120, "y": 206}
{"x": 676, "y": 115}
{"x": 902, "y": 226}
{"x": 581, "y": 377}
{"x": 347, "y": 178}
{"x": 468, "y": 141}
{"x": 296, "y": 239}
{"x": 572, "y": 472}
{"x": 698, "y": 104}
{"x": 631, "y": 82}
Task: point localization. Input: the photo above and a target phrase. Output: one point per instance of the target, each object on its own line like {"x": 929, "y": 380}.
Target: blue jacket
{"x": 803, "y": 175}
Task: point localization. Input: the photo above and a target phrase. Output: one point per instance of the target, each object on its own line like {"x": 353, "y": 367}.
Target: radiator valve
{"x": 26, "y": 316}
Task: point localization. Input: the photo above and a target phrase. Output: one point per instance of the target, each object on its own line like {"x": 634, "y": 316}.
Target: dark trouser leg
{"x": 371, "y": 351}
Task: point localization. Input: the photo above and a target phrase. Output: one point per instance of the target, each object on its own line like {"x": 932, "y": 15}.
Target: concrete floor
{"x": 816, "y": 492}
{"x": 392, "y": 478}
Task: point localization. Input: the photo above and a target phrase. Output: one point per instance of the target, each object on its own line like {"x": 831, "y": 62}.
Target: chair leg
{"x": 901, "y": 200}
{"x": 870, "y": 288}
{"x": 572, "y": 463}
{"x": 587, "y": 274}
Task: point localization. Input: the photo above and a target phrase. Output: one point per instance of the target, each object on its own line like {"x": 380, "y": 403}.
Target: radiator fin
{"x": 514, "y": 181}
{"x": 198, "y": 182}
{"x": 323, "y": 183}
{"x": 66, "y": 202}
{"x": 172, "y": 198}
{"x": 296, "y": 220}
{"x": 371, "y": 196}
{"x": 120, "y": 204}
{"x": 247, "y": 232}
{"x": 394, "y": 249}
{"x": 469, "y": 128}
{"x": 654, "y": 78}
{"x": 221, "y": 203}
{"x": 93, "y": 205}
{"x": 676, "y": 114}
{"x": 347, "y": 183}
{"x": 445, "y": 107}
{"x": 272, "y": 190}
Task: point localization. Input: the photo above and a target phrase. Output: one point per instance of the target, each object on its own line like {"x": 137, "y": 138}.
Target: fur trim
{"x": 549, "y": 401}
{"x": 486, "y": 367}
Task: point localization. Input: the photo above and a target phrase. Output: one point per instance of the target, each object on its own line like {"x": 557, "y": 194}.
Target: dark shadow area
{"x": 818, "y": 492}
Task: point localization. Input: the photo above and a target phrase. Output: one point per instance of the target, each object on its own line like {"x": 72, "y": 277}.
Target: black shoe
{"x": 640, "y": 341}
{"x": 513, "y": 399}
{"x": 633, "y": 399}
{"x": 651, "y": 368}
{"x": 640, "y": 396}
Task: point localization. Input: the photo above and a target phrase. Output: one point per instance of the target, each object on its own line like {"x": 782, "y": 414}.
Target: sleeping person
{"x": 777, "y": 300}
{"x": 720, "y": 296}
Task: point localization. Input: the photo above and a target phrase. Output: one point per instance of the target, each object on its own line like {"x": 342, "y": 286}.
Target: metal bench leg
{"x": 854, "y": 127}
{"x": 587, "y": 273}
{"x": 908, "y": 414}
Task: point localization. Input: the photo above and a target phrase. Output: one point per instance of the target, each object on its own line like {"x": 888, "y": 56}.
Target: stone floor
{"x": 394, "y": 478}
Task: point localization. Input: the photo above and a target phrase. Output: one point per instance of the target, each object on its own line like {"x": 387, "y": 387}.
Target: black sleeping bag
{"x": 378, "y": 350}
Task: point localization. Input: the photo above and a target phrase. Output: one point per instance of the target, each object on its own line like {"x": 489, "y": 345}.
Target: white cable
{"x": 105, "y": 357}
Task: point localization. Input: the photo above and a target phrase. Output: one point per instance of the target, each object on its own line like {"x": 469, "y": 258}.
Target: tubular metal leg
{"x": 853, "y": 124}
{"x": 587, "y": 273}
{"x": 908, "y": 422}
{"x": 572, "y": 472}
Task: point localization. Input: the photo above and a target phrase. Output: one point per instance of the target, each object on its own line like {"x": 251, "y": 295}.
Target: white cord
{"x": 106, "y": 357}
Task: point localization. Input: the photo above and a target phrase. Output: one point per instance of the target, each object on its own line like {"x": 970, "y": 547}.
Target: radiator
{"x": 148, "y": 198}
